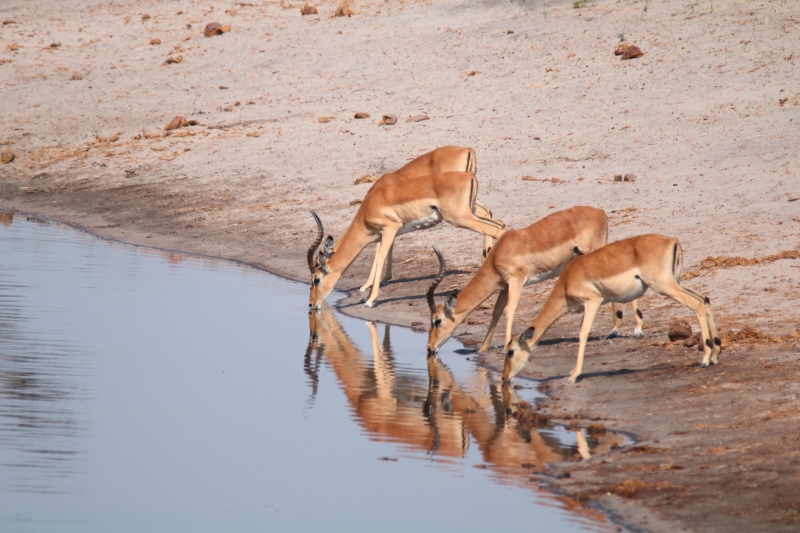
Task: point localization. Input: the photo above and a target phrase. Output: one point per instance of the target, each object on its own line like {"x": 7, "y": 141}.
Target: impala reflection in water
{"x": 439, "y": 415}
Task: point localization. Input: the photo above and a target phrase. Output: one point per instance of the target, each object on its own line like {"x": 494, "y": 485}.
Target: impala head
{"x": 321, "y": 283}
{"x": 517, "y": 353}
{"x": 442, "y": 321}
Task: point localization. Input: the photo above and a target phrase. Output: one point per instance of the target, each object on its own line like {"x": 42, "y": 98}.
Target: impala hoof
{"x": 613, "y": 335}
{"x": 368, "y": 303}
{"x": 638, "y": 334}
{"x": 571, "y": 379}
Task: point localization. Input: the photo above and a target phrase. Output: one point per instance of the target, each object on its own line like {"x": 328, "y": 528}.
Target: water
{"x": 146, "y": 391}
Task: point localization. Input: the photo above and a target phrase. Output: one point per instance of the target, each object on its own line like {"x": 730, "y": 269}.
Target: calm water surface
{"x": 145, "y": 391}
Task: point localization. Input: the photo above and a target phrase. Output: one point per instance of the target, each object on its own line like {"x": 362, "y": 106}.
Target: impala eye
{"x": 316, "y": 281}
{"x": 437, "y": 322}
{"x": 510, "y": 353}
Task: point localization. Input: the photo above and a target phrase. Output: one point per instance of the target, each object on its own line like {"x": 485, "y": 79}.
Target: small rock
{"x": 679, "y": 331}
{"x": 472, "y": 73}
{"x": 9, "y": 21}
{"x": 223, "y": 87}
{"x": 237, "y": 103}
{"x": 155, "y": 41}
{"x": 629, "y": 177}
{"x": 55, "y": 45}
{"x": 361, "y": 114}
{"x": 323, "y": 120}
{"x": 537, "y": 139}
{"x": 596, "y": 429}
{"x": 76, "y": 76}
{"x": 215, "y": 28}
{"x": 175, "y": 123}
{"x": 418, "y": 118}
{"x": 617, "y": 177}
{"x": 308, "y": 9}
{"x": 355, "y": 202}
{"x": 228, "y": 108}
{"x": 114, "y": 138}
{"x": 388, "y": 120}
{"x": 6, "y": 156}
{"x": 145, "y": 16}
{"x": 173, "y": 59}
{"x": 628, "y": 51}
{"x": 343, "y": 11}
{"x": 508, "y": 32}
{"x": 13, "y": 47}
{"x": 694, "y": 340}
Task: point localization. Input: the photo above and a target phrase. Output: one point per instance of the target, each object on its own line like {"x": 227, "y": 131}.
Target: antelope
{"x": 519, "y": 258}
{"x": 619, "y": 272}
{"x": 438, "y": 161}
{"x": 393, "y": 207}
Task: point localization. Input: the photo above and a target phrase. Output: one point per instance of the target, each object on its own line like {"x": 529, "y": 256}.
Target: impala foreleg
{"x": 514, "y": 294}
{"x": 589, "y": 312}
{"x": 368, "y": 284}
{"x": 499, "y": 307}
{"x": 384, "y": 246}
{"x": 388, "y": 273}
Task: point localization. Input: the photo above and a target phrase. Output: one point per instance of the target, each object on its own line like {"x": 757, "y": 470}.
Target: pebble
{"x": 361, "y": 114}
{"x": 76, "y": 76}
{"x": 6, "y": 156}
{"x": 418, "y": 118}
{"x": 388, "y": 120}
{"x": 343, "y": 11}
{"x": 679, "y": 331}
{"x": 308, "y": 9}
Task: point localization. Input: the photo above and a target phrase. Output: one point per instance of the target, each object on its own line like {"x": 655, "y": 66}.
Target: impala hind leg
{"x": 499, "y": 307}
{"x": 368, "y": 284}
{"x": 484, "y": 212}
{"x": 617, "y": 312}
{"x": 712, "y": 327}
{"x": 384, "y": 246}
{"x": 637, "y": 316}
{"x": 589, "y": 312}
{"x": 697, "y": 303}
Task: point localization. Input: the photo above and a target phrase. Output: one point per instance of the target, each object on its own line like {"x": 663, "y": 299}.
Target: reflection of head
{"x": 6, "y": 218}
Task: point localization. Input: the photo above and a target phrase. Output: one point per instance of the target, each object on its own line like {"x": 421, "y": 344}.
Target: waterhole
{"x": 149, "y": 391}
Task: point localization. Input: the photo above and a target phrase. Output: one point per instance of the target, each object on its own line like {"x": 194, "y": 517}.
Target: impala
{"x": 619, "y": 272}
{"x": 391, "y": 208}
{"x": 522, "y": 257}
{"x": 438, "y": 161}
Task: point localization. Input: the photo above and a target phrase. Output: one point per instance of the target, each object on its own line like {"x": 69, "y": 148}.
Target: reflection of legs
{"x": 514, "y": 293}
{"x": 385, "y": 244}
{"x": 583, "y": 445}
{"x": 617, "y": 312}
{"x": 637, "y": 316}
{"x": 499, "y": 307}
{"x": 589, "y": 312}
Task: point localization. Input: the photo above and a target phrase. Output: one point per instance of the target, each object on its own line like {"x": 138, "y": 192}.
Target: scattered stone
{"x": 629, "y": 177}
{"x": 308, "y": 9}
{"x": 223, "y": 87}
{"x": 418, "y": 118}
{"x": 145, "y": 17}
{"x": 215, "y": 28}
{"x": 596, "y": 429}
{"x": 13, "y": 47}
{"x": 323, "y": 120}
{"x": 155, "y": 41}
{"x": 55, "y": 45}
{"x": 366, "y": 178}
{"x": 114, "y": 138}
{"x": 237, "y": 103}
{"x": 528, "y": 418}
{"x": 679, "y": 331}
{"x": 343, "y": 11}
{"x": 628, "y": 51}
{"x": 388, "y": 120}
{"x": 617, "y": 177}
{"x": 173, "y": 59}
{"x": 76, "y": 76}
{"x": 537, "y": 139}
{"x": 6, "y": 156}
{"x": 472, "y": 73}
{"x": 9, "y": 21}
{"x": 361, "y": 114}
{"x": 508, "y": 32}
{"x": 175, "y": 123}
{"x": 250, "y": 102}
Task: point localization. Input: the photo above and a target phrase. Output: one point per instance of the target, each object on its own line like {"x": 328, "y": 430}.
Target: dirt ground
{"x": 707, "y": 122}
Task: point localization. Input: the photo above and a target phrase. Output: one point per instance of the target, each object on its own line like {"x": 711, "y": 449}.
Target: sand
{"x": 706, "y": 120}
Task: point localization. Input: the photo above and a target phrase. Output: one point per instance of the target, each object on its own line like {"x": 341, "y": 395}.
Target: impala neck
{"x": 347, "y": 248}
{"x": 554, "y": 308}
{"x": 482, "y": 285}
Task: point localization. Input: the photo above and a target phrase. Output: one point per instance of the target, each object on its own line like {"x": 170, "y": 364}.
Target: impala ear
{"x": 322, "y": 264}
{"x": 327, "y": 247}
{"x": 450, "y": 303}
{"x": 526, "y": 335}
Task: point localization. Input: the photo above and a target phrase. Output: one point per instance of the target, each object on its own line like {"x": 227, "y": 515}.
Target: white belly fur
{"x": 544, "y": 275}
{"x": 422, "y": 223}
{"x": 623, "y": 288}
